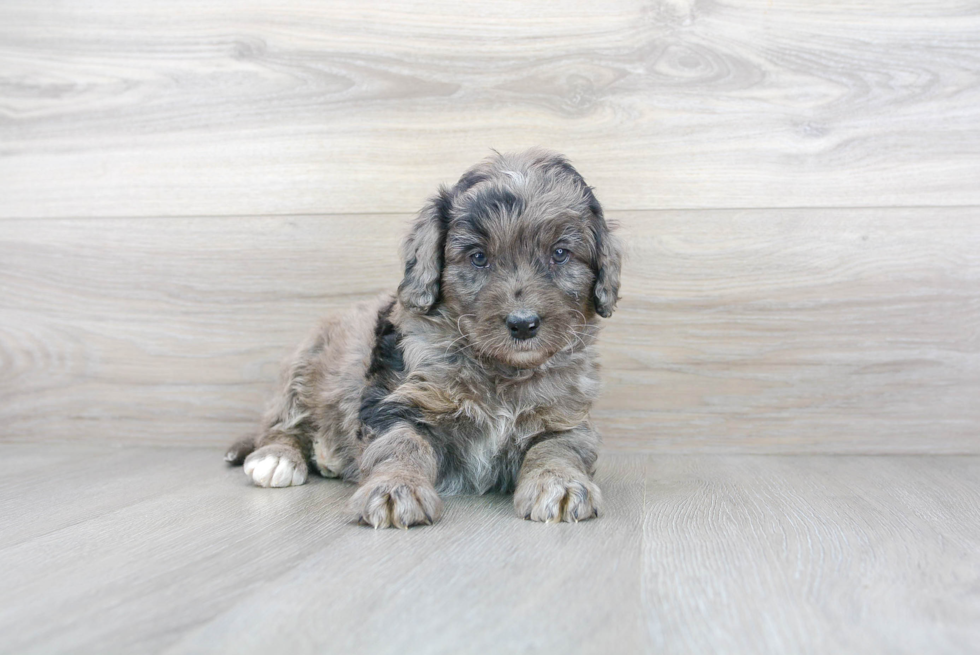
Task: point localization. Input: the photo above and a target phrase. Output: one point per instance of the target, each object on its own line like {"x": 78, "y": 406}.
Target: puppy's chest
{"x": 495, "y": 424}
{"x": 489, "y": 442}
{"x": 496, "y": 427}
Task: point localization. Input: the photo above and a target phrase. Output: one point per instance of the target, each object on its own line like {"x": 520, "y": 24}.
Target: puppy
{"x": 477, "y": 375}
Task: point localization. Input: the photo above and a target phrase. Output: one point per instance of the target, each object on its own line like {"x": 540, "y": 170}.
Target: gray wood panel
{"x": 812, "y": 554}
{"x": 694, "y": 554}
{"x": 852, "y": 331}
{"x": 145, "y": 574}
{"x": 191, "y": 108}
{"x": 494, "y": 583}
{"x": 776, "y": 331}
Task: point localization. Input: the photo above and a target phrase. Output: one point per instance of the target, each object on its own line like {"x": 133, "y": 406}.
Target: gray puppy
{"x": 477, "y": 375}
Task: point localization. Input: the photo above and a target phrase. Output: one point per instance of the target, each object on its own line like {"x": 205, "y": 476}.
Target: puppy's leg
{"x": 555, "y": 482}
{"x": 278, "y": 459}
{"x": 398, "y": 473}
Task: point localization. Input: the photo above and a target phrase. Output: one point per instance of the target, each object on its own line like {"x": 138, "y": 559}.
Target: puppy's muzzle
{"x": 523, "y": 325}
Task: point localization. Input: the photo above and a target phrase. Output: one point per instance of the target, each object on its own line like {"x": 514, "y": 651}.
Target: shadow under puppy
{"x": 478, "y": 375}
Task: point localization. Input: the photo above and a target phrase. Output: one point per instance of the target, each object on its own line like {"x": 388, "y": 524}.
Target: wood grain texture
{"x": 495, "y": 583}
{"x": 812, "y": 554}
{"x": 218, "y": 108}
{"x": 182, "y": 568}
{"x": 121, "y": 330}
{"x": 694, "y": 554}
{"x": 798, "y": 331}
{"x": 777, "y": 331}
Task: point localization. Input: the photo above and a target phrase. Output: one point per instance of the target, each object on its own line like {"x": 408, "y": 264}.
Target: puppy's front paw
{"x": 395, "y": 501}
{"x": 276, "y": 466}
{"x": 554, "y": 496}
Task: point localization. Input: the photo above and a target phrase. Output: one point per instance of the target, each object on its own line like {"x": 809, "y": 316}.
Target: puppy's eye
{"x": 560, "y": 256}
{"x": 479, "y": 259}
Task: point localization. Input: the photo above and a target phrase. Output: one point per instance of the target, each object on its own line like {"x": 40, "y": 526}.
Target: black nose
{"x": 523, "y": 325}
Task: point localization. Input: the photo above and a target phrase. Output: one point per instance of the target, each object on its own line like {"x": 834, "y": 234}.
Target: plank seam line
{"x": 413, "y": 212}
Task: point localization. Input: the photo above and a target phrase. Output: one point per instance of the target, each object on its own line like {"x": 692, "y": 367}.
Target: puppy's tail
{"x": 239, "y": 451}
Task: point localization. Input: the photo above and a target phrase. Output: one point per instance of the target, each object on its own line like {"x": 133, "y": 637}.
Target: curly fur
{"x": 428, "y": 392}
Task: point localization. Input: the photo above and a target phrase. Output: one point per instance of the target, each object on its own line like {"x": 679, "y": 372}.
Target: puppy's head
{"x": 518, "y": 254}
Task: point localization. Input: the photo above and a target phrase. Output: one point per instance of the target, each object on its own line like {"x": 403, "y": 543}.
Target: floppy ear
{"x": 607, "y": 263}
{"x": 423, "y": 254}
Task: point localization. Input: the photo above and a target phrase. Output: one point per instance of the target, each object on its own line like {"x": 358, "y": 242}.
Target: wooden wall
{"x": 185, "y": 186}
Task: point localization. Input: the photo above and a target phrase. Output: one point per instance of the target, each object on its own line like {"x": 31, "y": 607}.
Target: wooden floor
{"x": 143, "y": 549}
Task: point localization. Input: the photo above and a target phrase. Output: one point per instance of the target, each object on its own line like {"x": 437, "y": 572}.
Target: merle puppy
{"x": 477, "y": 375}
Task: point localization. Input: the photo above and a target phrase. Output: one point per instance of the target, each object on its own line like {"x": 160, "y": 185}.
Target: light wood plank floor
{"x": 167, "y": 550}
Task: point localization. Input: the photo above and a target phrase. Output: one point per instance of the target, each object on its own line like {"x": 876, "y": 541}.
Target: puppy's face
{"x": 523, "y": 255}
{"x": 518, "y": 273}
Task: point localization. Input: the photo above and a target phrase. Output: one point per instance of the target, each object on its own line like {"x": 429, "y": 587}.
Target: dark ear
{"x": 423, "y": 252}
{"x": 607, "y": 262}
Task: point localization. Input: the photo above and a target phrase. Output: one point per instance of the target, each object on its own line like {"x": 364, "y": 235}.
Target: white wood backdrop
{"x": 185, "y": 186}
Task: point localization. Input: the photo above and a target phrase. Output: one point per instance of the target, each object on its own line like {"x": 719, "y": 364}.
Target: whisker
{"x": 582, "y": 341}
{"x": 461, "y": 336}
{"x": 451, "y": 343}
{"x": 581, "y": 314}
{"x": 462, "y": 316}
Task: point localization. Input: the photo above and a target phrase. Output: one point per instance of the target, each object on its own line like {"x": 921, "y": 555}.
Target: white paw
{"x": 271, "y": 469}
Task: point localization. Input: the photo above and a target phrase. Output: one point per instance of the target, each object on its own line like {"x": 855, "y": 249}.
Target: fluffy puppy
{"x": 477, "y": 375}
